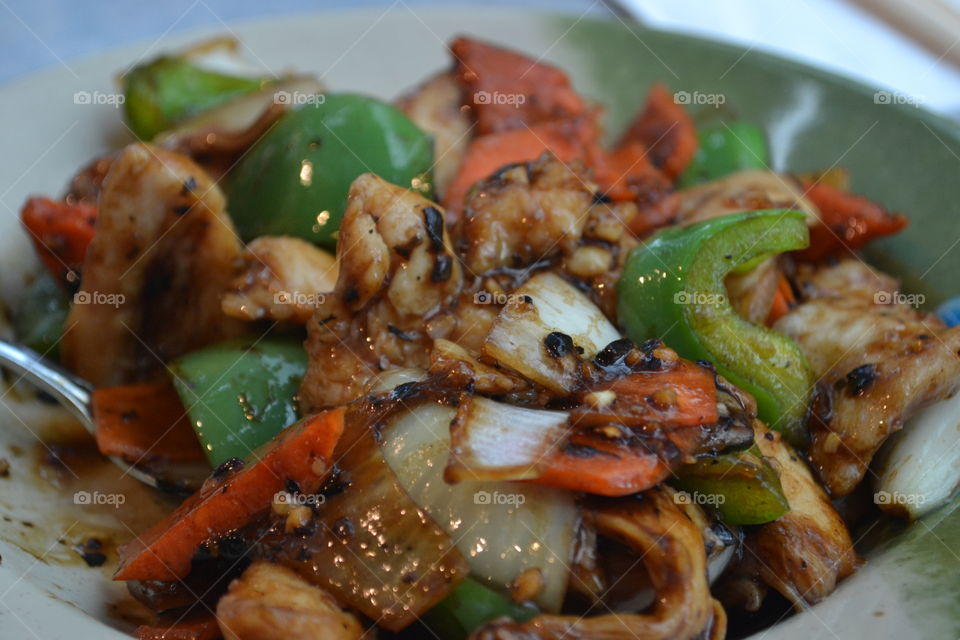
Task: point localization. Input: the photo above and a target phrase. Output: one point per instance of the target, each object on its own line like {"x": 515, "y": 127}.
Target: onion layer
{"x": 502, "y": 528}
{"x": 920, "y": 468}
{"x": 495, "y": 441}
{"x": 548, "y": 305}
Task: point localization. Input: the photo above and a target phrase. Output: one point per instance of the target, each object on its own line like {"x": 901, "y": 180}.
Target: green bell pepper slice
{"x": 673, "y": 288}
{"x": 725, "y": 149}
{"x": 741, "y": 485}
{"x": 39, "y": 317}
{"x": 470, "y": 605}
{"x": 168, "y": 90}
{"x": 295, "y": 180}
{"x": 238, "y": 394}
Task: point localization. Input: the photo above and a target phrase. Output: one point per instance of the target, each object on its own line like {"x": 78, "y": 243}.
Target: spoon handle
{"x": 69, "y": 390}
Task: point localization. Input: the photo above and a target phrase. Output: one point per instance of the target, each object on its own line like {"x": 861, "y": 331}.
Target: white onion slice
{"x": 495, "y": 441}
{"x": 920, "y": 467}
{"x": 545, "y": 304}
{"x": 503, "y": 528}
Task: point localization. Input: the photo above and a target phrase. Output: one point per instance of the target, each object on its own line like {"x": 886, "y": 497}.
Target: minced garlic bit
{"x": 527, "y": 586}
{"x": 600, "y": 399}
{"x": 318, "y": 467}
{"x": 831, "y": 443}
{"x": 297, "y": 518}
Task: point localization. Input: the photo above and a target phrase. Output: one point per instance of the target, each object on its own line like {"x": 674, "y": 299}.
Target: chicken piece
{"x": 284, "y": 279}
{"x": 878, "y": 361}
{"x": 163, "y": 253}
{"x": 435, "y": 107}
{"x": 751, "y": 293}
{"x": 807, "y": 551}
{"x": 671, "y": 548}
{"x": 878, "y": 365}
{"x": 607, "y": 242}
{"x": 525, "y": 213}
{"x": 271, "y": 602}
{"x": 397, "y": 271}
{"x": 85, "y": 186}
{"x": 744, "y": 191}
{"x": 851, "y": 279}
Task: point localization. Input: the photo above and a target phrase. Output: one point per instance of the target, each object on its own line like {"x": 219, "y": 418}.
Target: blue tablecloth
{"x": 35, "y": 34}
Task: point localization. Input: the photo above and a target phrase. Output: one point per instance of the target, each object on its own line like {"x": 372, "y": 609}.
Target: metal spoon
{"x": 74, "y": 394}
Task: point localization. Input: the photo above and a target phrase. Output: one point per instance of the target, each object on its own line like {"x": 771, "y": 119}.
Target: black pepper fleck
{"x": 442, "y": 268}
{"x": 433, "y": 221}
{"x": 860, "y": 379}
{"x": 227, "y": 467}
{"x": 558, "y": 344}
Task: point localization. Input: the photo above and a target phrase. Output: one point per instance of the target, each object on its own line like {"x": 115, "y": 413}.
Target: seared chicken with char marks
{"x": 163, "y": 253}
{"x": 807, "y": 551}
{"x": 272, "y": 602}
{"x": 397, "y": 271}
{"x": 878, "y": 363}
{"x": 523, "y": 214}
{"x": 283, "y": 278}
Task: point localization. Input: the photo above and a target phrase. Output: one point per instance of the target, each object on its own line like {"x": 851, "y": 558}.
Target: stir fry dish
{"x": 455, "y": 366}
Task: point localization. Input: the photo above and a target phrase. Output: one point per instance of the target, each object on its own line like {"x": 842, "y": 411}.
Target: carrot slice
{"x": 144, "y": 423}
{"x": 602, "y": 468}
{"x": 508, "y": 90}
{"x": 201, "y": 625}
{"x": 783, "y": 301}
{"x": 682, "y": 396}
{"x": 300, "y": 453}
{"x": 847, "y": 221}
{"x": 627, "y": 172}
{"x": 654, "y": 418}
{"x": 665, "y": 128}
{"x": 567, "y": 139}
{"x": 60, "y": 233}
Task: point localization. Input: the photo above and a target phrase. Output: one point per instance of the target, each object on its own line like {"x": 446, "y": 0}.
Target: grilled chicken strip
{"x": 271, "y": 602}
{"x": 807, "y": 551}
{"x": 846, "y": 279}
{"x": 525, "y": 213}
{"x": 435, "y": 107}
{"x": 878, "y": 362}
{"x": 397, "y": 272}
{"x": 283, "y": 280}
{"x": 671, "y": 548}
{"x": 163, "y": 253}
{"x": 530, "y": 214}
{"x": 743, "y": 191}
